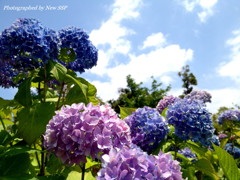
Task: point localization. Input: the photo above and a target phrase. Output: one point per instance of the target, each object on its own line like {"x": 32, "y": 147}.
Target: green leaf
{"x": 33, "y": 120}
{"x": 223, "y": 142}
{"x": 57, "y": 70}
{"x": 67, "y": 55}
{"x": 124, "y": 111}
{"x": 23, "y": 95}
{"x": 227, "y": 163}
{"x": 14, "y": 150}
{"x": 74, "y": 175}
{"x": 4, "y": 103}
{"x": 189, "y": 173}
{"x": 206, "y": 167}
{"x": 5, "y": 137}
{"x": 15, "y": 165}
{"x": 78, "y": 93}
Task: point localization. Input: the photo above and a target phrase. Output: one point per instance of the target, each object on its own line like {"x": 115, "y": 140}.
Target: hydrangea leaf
{"x": 124, "y": 111}
{"x": 4, "y": 103}
{"x": 33, "y": 120}
{"x": 57, "y": 70}
{"x": 227, "y": 163}
{"x": 67, "y": 55}
{"x": 23, "y": 95}
{"x": 206, "y": 167}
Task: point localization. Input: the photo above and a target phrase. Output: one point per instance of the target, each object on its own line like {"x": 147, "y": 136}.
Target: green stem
{"x": 60, "y": 95}
{"x": 4, "y": 127}
{"x": 36, "y": 154}
{"x": 42, "y": 169}
{"x": 45, "y": 83}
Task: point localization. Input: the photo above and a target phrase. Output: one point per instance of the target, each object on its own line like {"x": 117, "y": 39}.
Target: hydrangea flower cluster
{"x": 222, "y": 136}
{"x": 199, "y": 95}
{"x": 191, "y": 120}
{"x": 148, "y": 128}
{"x": 229, "y": 115}
{"x": 165, "y": 102}
{"x": 22, "y": 45}
{"x": 78, "y": 131}
{"x": 233, "y": 150}
{"x": 133, "y": 163}
{"x": 86, "y": 53}
{"x": 187, "y": 153}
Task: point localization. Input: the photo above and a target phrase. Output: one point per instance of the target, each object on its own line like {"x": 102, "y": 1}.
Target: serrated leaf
{"x": 206, "y": 167}
{"x": 227, "y": 163}
{"x": 124, "y": 111}
{"x": 33, "y": 121}
{"x": 23, "y": 95}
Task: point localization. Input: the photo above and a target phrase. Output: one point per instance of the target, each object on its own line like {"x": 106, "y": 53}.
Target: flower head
{"x": 133, "y": 163}
{"x": 233, "y": 150}
{"x": 191, "y": 120}
{"x": 86, "y": 53}
{"x": 187, "y": 153}
{"x": 229, "y": 115}
{"x": 199, "y": 95}
{"x": 148, "y": 128}
{"x": 78, "y": 131}
{"x": 165, "y": 102}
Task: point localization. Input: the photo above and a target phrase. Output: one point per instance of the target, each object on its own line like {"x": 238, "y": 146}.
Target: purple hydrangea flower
{"x": 25, "y": 45}
{"x": 222, "y": 136}
{"x": 165, "y": 102}
{"x": 199, "y": 95}
{"x": 78, "y": 131}
{"x": 187, "y": 153}
{"x": 86, "y": 53}
{"x": 191, "y": 120}
{"x": 148, "y": 128}
{"x": 233, "y": 150}
{"x": 229, "y": 115}
{"x": 133, "y": 163}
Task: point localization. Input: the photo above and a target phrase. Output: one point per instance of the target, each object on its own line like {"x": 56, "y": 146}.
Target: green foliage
{"x": 188, "y": 79}
{"x": 67, "y": 55}
{"x": 227, "y": 163}
{"x": 135, "y": 96}
{"x": 33, "y": 120}
{"x": 124, "y": 112}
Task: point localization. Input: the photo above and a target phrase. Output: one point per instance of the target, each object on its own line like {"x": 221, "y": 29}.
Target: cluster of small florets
{"x": 86, "y": 53}
{"x": 148, "y": 128}
{"x": 191, "y": 120}
{"x": 27, "y": 45}
{"x": 133, "y": 163}
{"x": 165, "y": 102}
{"x": 229, "y": 115}
{"x": 78, "y": 131}
{"x": 233, "y": 150}
{"x": 199, "y": 95}
{"x": 187, "y": 152}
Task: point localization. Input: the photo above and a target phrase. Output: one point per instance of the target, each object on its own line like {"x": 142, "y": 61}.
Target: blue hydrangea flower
{"x": 233, "y": 150}
{"x": 191, "y": 120}
{"x": 86, "y": 53}
{"x": 229, "y": 115}
{"x": 148, "y": 128}
{"x": 187, "y": 153}
{"x": 165, "y": 102}
{"x": 199, "y": 95}
{"x": 133, "y": 163}
{"x": 25, "y": 45}
{"x": 215, "y": 140}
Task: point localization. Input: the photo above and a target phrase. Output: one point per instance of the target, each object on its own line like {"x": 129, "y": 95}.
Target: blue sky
{"x": 147, "y": 38}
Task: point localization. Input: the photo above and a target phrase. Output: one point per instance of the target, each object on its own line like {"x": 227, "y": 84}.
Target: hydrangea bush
{"x": 148, "y": 128}
{"x": 78, "y": 131}
{"x": 229, "y": 115}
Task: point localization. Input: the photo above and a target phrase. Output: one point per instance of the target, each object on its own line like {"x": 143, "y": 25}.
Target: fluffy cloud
{"x": 154, "y": 40}
{"x": 231, "y": 67}
{"x": 205, "y": 5}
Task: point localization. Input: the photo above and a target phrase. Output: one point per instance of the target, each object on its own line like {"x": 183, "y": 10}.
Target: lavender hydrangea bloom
{"x": 86, "y": 53}
{"x": 148, "y": 128}
{"x": 187, "y": 153}
{"x": 78, "y": 131}
{"x": 199, "y": 95}
{"x": 233, "y": 150}
{"x": 165, "y": 102}
{"x": 191, "y": 120}
{"x": 25, "y": 45}
{"x": 133, "y": 163}
{"x": 222, "y": 136}
{"x": 229, "y": 115}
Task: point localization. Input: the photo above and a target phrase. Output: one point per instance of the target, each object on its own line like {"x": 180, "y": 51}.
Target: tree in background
{"x": 135, "y": 96}
{"x": 188, "y": 79}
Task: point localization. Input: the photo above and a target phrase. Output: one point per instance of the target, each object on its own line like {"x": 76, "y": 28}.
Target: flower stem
{"x": 60, "y": 95}
{"x": 83, "y": 171}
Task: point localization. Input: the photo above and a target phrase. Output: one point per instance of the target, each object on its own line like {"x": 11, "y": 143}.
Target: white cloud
{"x": 205, "y": 5}
{"x": 154, "y": 40}
{"x": 231, "y": 67}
